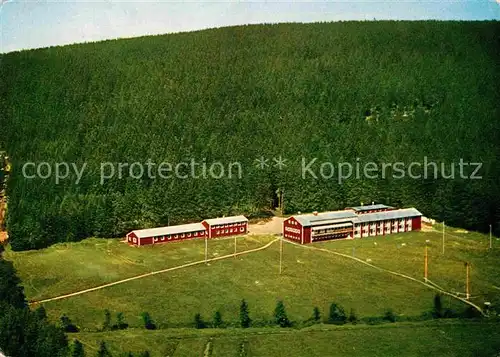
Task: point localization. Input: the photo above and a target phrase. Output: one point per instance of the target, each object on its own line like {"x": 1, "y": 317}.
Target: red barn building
{"x": 355, "y": 222}
{"x": 370, "y": 208}
{"x": 166, "y": 234}
{"x": 226, "y": 226}
{"x": 307, "y": 228}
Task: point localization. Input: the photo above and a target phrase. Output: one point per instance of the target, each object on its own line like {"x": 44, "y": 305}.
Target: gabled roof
{"x": 161, "y": 231}
{"x": 370, "y": 207}
{"x": 226, "y": 220}
{"x": 385, "y": 215}
{"x": 311, "y": 219}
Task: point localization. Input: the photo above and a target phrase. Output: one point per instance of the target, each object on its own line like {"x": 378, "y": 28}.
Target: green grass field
{"x": 310, "y": 278}
{"x": 432, "y": 338}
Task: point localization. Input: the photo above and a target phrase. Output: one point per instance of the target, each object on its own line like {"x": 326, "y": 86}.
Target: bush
{"x": 389, "y": 316}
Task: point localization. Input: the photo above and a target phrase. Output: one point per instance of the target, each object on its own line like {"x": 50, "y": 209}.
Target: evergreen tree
{"x": 389, "y": 316}
{"x": 280, "y": 317}
{"x": 245, "y": 320}
{"x": 337, "y": 315}
{"x": 145, "y": 354}
{"x": 103, "y": 350}
{"x": 198, "y": 321}
{"x": 67, "y": 325}
{"x": 437, "y": 312}
{"x": 120, "y": 321}
{"x": 352, "y": 317}
{"x": 148, "y": 321}
{"x": 218, "y": 319}
{"x": 40, "y": 313}
{"x": 316, "y": 314}
{"x": 11, "y": 290}
{"x": 106, "y": 325}
{"x": 78, "y": 350}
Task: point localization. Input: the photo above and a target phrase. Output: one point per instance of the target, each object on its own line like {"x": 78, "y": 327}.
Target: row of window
{"x": 230, "y": 230}
{"x": 293, "y": 223}
{"x": 291, "y": 236}
{"x": 218, "y": 226}
{"x": 179, "y": 236}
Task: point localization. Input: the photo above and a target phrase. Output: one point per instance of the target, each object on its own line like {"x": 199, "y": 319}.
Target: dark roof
{"x": 312, "y": 219}
{"x": 385, "y": 215}
{"x": 161, "y": 231}
{"x": 226, "y": 220}
{"x": 370, "y": 207}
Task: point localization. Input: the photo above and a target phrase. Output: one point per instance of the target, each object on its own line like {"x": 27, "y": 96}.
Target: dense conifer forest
{"x": 340, "y": 92}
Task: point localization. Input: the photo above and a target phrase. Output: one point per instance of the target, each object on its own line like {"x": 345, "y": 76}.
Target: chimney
{"x": 315, "y": 213}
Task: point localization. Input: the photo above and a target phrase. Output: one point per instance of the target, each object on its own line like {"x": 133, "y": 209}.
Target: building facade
{"x": 226, "y": 226}
{"x": 354, "y": 222}
{"x": 209, "y": 228}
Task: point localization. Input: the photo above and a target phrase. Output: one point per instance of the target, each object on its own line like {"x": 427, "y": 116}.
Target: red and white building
{"x": 226, "y": 226}
{"x": 166, "y": 234}
{"x": 355, "y": 222}
{"x": 209, "y": 228}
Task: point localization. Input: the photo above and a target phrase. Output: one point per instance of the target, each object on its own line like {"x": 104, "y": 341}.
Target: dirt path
{"x": 151, "y": 273}
{"x": 273, "y": 226}
{"x": 427, "y": 284}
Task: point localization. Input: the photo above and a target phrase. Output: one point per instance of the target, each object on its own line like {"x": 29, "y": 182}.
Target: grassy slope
{"x": 310, "y": 278}
{"x": 413, "y": 339}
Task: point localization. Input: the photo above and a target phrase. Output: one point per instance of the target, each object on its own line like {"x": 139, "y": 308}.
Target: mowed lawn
{"x": 432, "y": 338}
{"x": 67, "y": 267}
{"x": 310, "y": 278}
{"x": 404, "y": 253}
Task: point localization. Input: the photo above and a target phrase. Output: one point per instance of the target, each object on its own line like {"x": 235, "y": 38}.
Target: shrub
{"x": 389, "y": 316}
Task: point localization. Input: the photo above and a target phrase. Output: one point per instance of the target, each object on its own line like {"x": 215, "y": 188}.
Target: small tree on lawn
{"x": 280, "y": 316}
{"x": 120, "y": 321}
{"x": 77, "y": 350}
{"x": 148, "y": 321}
{"x": 218, "y": 319}
{"x": 438, "y": 307}
{"x": 40, "y": 313}
{"x": 67, "y": 325}
{"x": 337, "y": 315}
{"x": 103, "y": 350}
{"x": 316, "y": 314}
{"x": 198, "y": 321}
{"x": 106, "y": 325}
{"x": 389, "y": 316}
{"x": 352, "y": 317}
{"x": 145, "y": 354}
{"x": 245, "y": 320}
